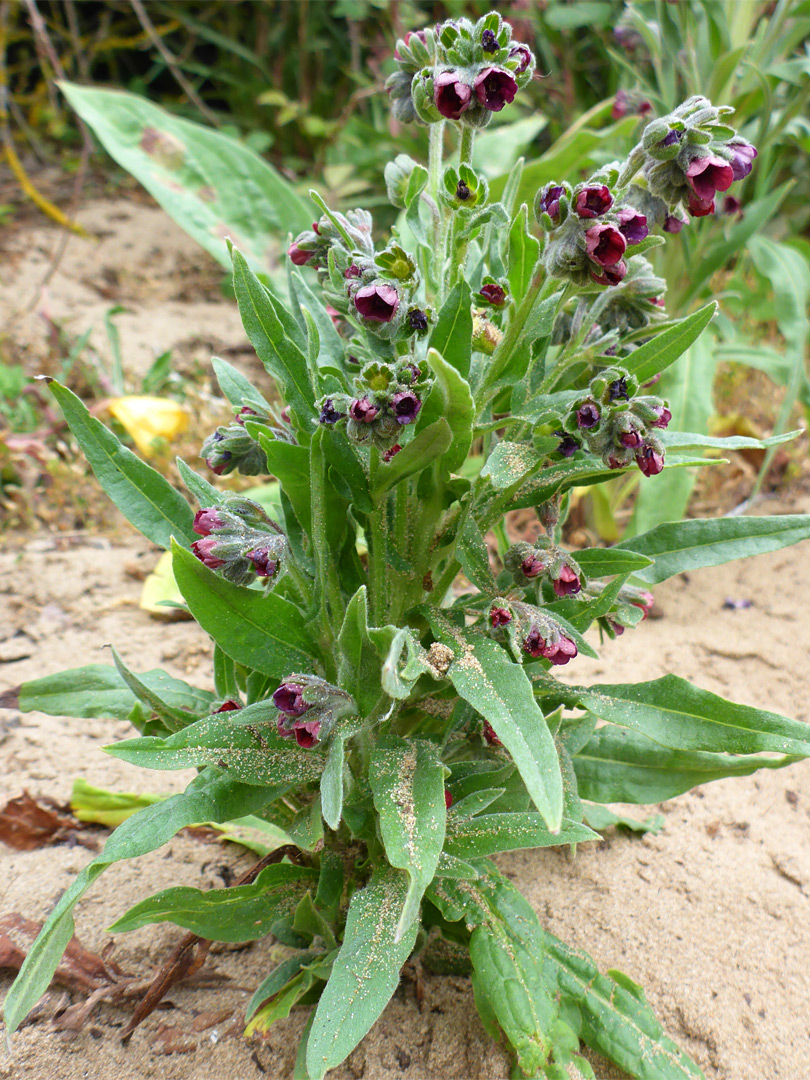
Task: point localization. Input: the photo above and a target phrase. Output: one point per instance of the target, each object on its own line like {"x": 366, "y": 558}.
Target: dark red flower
{"x": 649, "y": 460}
{"x": 532, "y": 566}
{"x": 391, "y": 452}
{"x": 611, "y": 275}
{"x": 203, "y": 550}
{"x": 377, "y": 303}
{"x": 630, "y": 439}
{"x": 490, "y": 736}
{"x": 698, "y": 207}
{"x": 228, "y": 706}
{"x": 352, "y": 271}
{"x": 549, "y": 201}
{"x": 264, "y": 562}
{"x": 559, "y": 652}
{"x": 363, "y": 411}
{"x": 451, "y": 96}
{"x": 663, "y": 418}
{"x": 448, "y": 799}
{"x": 592, "y": 202}
{"x": 494, "y": 88}
{"x": 604, "y": 244}
{"x": 523, "y": 55}
{"x": 673, "y": 224}
{"x": 708, "y": 174}
{"x": 493, "y": 294}
{"x": 206, "y": 521}
{"x": 288, "y": 698}
{"x": 500, "y": 616}
{"x": 588, "y": 415}
{"x": 732, "y": 206}
{"x": 568, "y": 583}
{"x": 298, "y": 256}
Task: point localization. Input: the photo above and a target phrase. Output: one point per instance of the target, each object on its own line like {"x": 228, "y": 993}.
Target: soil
{"x": 711, "y": 916}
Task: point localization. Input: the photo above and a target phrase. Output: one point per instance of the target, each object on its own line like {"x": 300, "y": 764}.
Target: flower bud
{"x": 486, "y": 336}
{"x": 417, "y": 320}
{"x": 448, "y": 799}
{"x": 230, "y": 448}
{"x": 489, "y": 43}
{"x": 588, "y": 415}
{"x": 490, "y": 736}
{"x": 492, "y": 293}
{"x": 664, "y": 417}
{"x": 558, "y": 652}
{"x": 532, "y": 566}
{"x": 567, "y": 582}
{"x": 673, "y": 224}
{"x": 397, "y": 174}
{"x": 329, "y": 413}
{"x": 611, "y": 275}
{"x": 568, "y": 445}
{"x": 547, "y": 201}
{"x": 742, "y": 160}
{"x": 499, "y": 616}
{"x": 650, "y": 460}
{"x": 207, "y": 521}
{"x": 264, "y": 561}
{"x": 522, "y": 56}
{"x": 204, "y": 550}
{"x": 391, "y": 452}
{"x": 228, "y": 706}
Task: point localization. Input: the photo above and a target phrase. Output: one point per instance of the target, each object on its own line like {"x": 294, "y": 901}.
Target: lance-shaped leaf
{"x": 289, "y": 463}
{"x": 472, "y": 553}
{"x": 693, "y": 440}
{"x": 605, "y": 562}
{"x": 205, "y": 494}
{"x": 450, "y": 398}
{"x": 245, "y": 742}
{"x": 522, "y": 250}
{"x": 674, "y": 713}
{"x": 613, "y": 1016}
{"x": 211, "y": 796}
{"x": 98, "y": 690}
{"x": 620, "y": 765}
{"x": 359, "y": 660}
{"x": 507, "y": 950}
{"x": 266, "y": 633}
{"x": 238, "y": 389}
{"x": 173, "y": 719}
{"x": 407, "y": 782}
{"x": 278, "y": 978}
{"x": 365, "y": 973}
{"x": 499, "y": 689}
{"x": 211, "y": 184}
{"x": 681, "y": 546}
{"x": 405, "y": 661}
{"x": 487, "y": 834}
{"x": 332, "y": 782}
{"x": 430, "y": 443}
{"x": 242, "y": 913}
{"x": 144, "y": 497}
{"x": 273, "y": 336}
{"x": 452, "y": 334}
{"x": 665, "y": 348}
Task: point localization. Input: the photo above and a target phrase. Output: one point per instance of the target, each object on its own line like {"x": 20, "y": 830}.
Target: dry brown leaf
{"x": 27, "y": 823}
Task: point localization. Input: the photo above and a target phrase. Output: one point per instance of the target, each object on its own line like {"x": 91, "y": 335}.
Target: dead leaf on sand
{"x": 27, "y": 823}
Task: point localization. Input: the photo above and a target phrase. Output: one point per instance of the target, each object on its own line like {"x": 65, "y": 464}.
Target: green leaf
{"x": 209, "y": 797}
{"x": 430, "y": 443}
{"x": 611, "y": 1015}
{"x": 673, "y": 713}
{"x": 239, "y": 390}
{"x": 499, "y": 689}
{"x": 289, "y": 463}
{"x": 173, "y": 719}
{"x": 266, "y": 633}
{"x": 108, "y": 808}
{"x": 332, "y": 782}
{"x": 600, "y": 818}
{"x": 510, "y": 463}
{"x": 507, "y": 951}
{"x": 679, "y": 547}
{"x": 397, "y": 678}
{"x": 665, "y": 348}
{"x": 345, "y": 466}
{"x": 143, "y": 496}
{"x": 407, "y": 782}
{"x": 692, "y": 440}
{"x": 451, "y": 337}
{"x": 472, "y": 553}
{"x": 246, "y": 743}
{"x": 488, "y": 834}
{"x": 278, "y": 978}
{"x": 619, "y": 765}
{"x": 241, "y": 913}
{"x": 605, "y": 562}
{"x": 522, "y": 251}
{"x": 205, "y": 494}
{"x": 359, "y": 661}
{"x": 271, "y": 335}
{"x": 212, "y": 185}
{"x": 450, "y": 399}
{"x": 365, "y": 973}
{"x": 331, "y": 351}
{"x": 98, "y": 690}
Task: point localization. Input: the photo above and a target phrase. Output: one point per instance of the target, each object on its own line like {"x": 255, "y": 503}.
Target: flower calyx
{"x": 239, "y": 540}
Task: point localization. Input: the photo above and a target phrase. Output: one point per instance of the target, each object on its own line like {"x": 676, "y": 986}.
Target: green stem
{"x": 378, "y": 549}
{"x": 466, "y": 146}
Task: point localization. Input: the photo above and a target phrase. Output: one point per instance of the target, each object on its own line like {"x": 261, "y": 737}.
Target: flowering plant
{"x": 383, "y": 683}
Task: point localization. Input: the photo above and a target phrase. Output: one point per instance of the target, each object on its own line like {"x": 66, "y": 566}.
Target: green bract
{"x": 394, "y": 728}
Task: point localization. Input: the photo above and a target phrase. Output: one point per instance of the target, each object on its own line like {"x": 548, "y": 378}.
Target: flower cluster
{"x": 588, "y": 232}
{"x": 530, "y": 631}
{"x": 543, "y": 560}
{"x": 232, "y": 447}
{"x": 308, "y": 708}
{"x": 240, "y": 541}
{"x": 389, "y": 398}
{"x": 691, "y": 154}
{"x": 460, "y": 71}
{"x": 613, "y": 423}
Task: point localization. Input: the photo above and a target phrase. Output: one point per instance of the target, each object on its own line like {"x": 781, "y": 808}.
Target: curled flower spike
{"x": 494, "y": 88}
{"x": 377, "y": 303}
{"x": 451, "y": 96}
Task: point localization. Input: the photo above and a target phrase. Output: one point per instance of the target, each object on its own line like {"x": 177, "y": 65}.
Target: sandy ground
{"x": 710, "y": 916}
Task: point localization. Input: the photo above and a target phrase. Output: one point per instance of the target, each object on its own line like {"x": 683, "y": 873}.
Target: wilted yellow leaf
{"x": 149, "y": 418}
{"x": 160, "y": 585}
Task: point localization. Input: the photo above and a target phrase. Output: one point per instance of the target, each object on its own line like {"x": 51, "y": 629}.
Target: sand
{"x": 710, "y": 916}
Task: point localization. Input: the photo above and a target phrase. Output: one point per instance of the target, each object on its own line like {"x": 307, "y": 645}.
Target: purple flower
{"x": 263, "y": 561}
{"x": 611, "y": 275}
{"x": 632, "y": 225}
{"x": 559, "y": 652}
{"x": 673, "y": 224}
{"x": 493, "y": 294}
{"x": 742, "y": 160}
{"x": 329, "y": 414}
{"x": 352, "y": 271}
{"x": 588, "y": 415}
{"x": 618, "y": 389}
{"x": 604, "y": 244}
{"x": 305, "y": 732}
{"x": 532, "y": 566}
{"x": 494, "y": 88}
{"x": 451, "y": 96}
{"x": 523, "y": 55}
{"x": 405, "y": 406}
{"x": 363, "y": 411}
{"x": 500, "y": 616}
{"x": 489, "y": 43}
{"x": 289, "y": 699}
{"x": 417, "y": 319}
{"x": 377, "y": 303}
{"x": 567, "y": 583}
{"x": 630, "y": 439}
{"x": 203, "y": 549}
{"x": 649, "y": 460}
{"x": 207, "y": 521}
{"x": 549, "y": 202}
{"x": 708, "y": 174}
{"x": 663, "y": 418}
{"x": 568, "y": 445}
{"x": 673, "y": 136}
{"x": 592, "y": 202}
{"x": 732, "y": 206}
